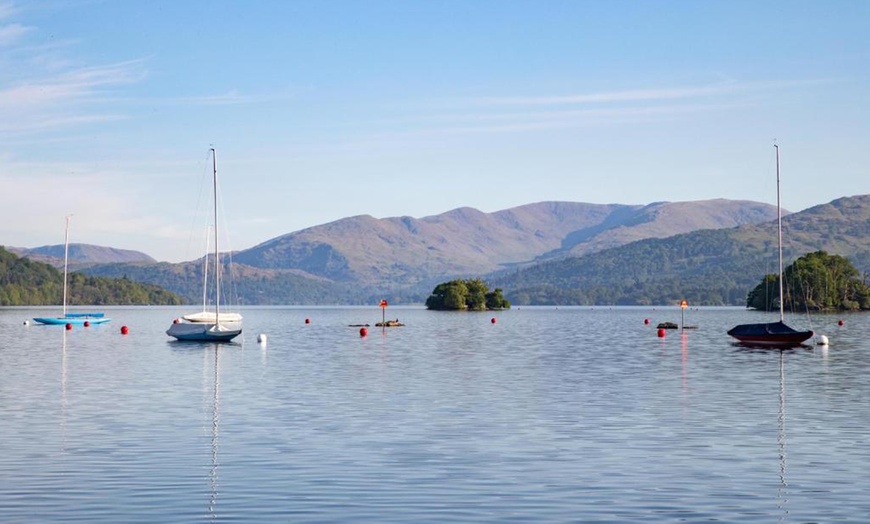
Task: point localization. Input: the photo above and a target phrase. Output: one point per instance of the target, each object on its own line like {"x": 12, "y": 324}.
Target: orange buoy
{"x": 492, "y": 320}
{"x": 87, "y": 324}
{"x": 661, "y": 332}
{"x": 646, "y": 321}
{"x": 68, "y": 326}
{"x": 363, "y": 331}
{"x": 124, "y": 330}
{"x": 307, "y": 320}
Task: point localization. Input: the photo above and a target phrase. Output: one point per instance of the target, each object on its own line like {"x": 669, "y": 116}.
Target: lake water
{"x": 546, "y": 415}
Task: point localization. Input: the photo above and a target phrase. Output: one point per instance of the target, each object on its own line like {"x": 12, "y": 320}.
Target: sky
{"x": 320, "y": 110}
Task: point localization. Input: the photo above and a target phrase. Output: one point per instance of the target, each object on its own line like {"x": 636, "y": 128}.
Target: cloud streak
{"x": 646, "y": 95}
{"x": 68, "y": 87}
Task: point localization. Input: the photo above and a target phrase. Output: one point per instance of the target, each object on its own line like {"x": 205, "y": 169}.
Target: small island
{"x": 814, "y": 282}
{"x": 468, "y": 295}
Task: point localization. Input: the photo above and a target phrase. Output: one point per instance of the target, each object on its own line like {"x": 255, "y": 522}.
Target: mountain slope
{"x": 81, "y": 255}
{"x": 712, "y": 267}
{"x": 403, "y": 251}
{"x": 31, "y": 283}
{"x": 358, "y": 260}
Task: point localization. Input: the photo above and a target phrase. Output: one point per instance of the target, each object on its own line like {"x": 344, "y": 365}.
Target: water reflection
{"x": 782, "y": 492}
{"x": 684, "y": 359}
{"x": 63, "y": 399}
{"x": 215, "y": 387}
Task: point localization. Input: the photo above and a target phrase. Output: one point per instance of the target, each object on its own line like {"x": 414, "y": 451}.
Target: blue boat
{"x": 77, "y": 319}
{"x": 772, "y": 334}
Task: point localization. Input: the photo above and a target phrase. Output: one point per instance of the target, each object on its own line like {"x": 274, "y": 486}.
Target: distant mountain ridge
{"x": 358, "y": 259}
{"x": 710, "y": 267}
{"x": 465, "y": 241}
{"x": 81, "y": 255}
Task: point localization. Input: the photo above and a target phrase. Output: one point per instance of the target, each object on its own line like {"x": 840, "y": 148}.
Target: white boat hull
{"x": 204, "y": 331}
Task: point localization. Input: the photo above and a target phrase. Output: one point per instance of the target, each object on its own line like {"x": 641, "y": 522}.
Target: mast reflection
{"x": 782, "y": 491}
{"x": 215, "y": 420}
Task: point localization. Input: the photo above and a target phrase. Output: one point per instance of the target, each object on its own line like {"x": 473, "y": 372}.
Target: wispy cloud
{"x": 230, "y": 98}
{"x": 44, "y": 87}
{"x": 69, "y": 86}
{"x": 727, "y": 88}
{"x": 12, "y": 32}
{"x": 494, "y": 114}
{"x": 7, "y": 9}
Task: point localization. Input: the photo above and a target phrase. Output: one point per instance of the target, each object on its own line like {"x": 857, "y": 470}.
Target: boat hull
{"x": 76, "y": 320}
{"x": 774, "y": 334}
{"x": 204, "y": 332}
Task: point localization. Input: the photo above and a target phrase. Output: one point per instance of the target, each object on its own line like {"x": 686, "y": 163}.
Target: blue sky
{"x": 323, "y": 109}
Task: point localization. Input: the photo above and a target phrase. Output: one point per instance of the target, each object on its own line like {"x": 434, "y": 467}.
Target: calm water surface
{"x": 546, "y": 415}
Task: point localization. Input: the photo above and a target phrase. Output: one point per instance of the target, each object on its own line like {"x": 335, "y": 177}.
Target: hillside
{"x": 81, "y": 255}
{"x": 361, "y": 259}
{"x": 242, "y": 284}
{"x": 404, "y": 251}
{"x": 31, "y": 283}
{"x": 711, "y": 267}
{"x": 665, "y": 219}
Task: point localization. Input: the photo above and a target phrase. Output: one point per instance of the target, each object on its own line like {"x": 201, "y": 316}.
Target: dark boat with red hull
{"x": 772, "y": 334}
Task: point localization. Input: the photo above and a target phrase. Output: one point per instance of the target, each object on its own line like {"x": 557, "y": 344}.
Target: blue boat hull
{"x": 76, "y": 320}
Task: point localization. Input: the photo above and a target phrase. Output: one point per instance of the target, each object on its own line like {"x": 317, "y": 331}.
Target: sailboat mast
{"x": 205, "y": 270}
{"x": 65, "y": 259}
{"x": 779, "y": 236}
{"x": 217, "y": 262}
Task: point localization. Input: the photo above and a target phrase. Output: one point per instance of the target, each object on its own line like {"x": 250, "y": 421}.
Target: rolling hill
{"x": 405, "y": 251}
{"x": 32, "y": 283}
{"x": 361, "y": 259}
{"x": 711, "y": 267}
{"x": 81, "y": 255}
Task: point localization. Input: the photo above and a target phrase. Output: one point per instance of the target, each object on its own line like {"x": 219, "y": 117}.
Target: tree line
{"x": 24, "y": 282}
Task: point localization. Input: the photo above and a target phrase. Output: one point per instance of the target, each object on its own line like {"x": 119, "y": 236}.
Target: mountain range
{"x": 547, "y": 252}
{"x": 81, "y": 255}
{"x": 710, "y": 267}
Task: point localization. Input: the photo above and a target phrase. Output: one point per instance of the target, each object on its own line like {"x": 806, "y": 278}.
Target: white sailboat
{"x": 209, "y": 326}
{"x": 71, "y": 318}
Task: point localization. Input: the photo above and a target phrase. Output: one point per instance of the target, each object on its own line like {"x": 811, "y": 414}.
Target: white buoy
{"x": 26, "y": 322}
{"x": 261, "y": 338}
{"x": 823, "y": 340}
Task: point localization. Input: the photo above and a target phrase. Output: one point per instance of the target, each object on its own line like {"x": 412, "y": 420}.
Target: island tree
{"x": 814, "y": 282}
{"x": 469, "y": 294}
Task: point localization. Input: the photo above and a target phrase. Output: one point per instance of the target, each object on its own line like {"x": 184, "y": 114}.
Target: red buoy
{"x": 68, "y": 326}
{"x": 661, "y": 332}
{"x": 840, "y": 323}
{"x": 307, "y": 320}
{"x": 646, "y": 321}
{"x": 87, "y": 324}
{"x": 124, "y": 330}
{"x": 492, "y": 320}
{"x": 363, "y": 331}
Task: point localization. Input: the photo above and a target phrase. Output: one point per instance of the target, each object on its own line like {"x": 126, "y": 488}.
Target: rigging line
{"x": 228, "y": 253}
{"x": 806, "y": 293}
{"x": 198, "y": 209}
